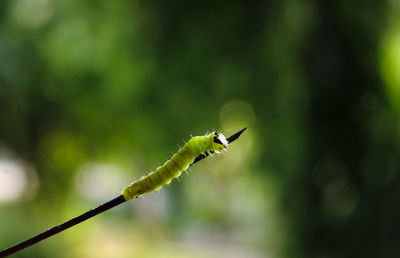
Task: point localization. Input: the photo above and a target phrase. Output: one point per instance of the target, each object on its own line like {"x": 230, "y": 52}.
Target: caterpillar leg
{"x": 206, "y": 153}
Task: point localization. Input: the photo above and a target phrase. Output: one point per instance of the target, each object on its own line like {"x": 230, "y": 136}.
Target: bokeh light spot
{"x": 33, "y": 13}
{"x": 236, "y": 114}
{"x": 99, "y": 181}
{"x": 390, "y": 65}
{"x": 17, "y": 179}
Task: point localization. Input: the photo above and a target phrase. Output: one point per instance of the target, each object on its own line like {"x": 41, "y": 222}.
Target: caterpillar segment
{"x": 198, "y": 145}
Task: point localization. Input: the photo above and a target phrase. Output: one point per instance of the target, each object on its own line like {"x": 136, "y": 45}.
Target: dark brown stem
{"x": 57, "y": 229}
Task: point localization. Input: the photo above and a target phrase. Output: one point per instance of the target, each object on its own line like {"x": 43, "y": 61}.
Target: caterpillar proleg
{"x": 180, "y": 161}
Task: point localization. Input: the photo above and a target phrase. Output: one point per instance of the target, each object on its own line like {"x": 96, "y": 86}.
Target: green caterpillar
{"x": 213, "y": 142}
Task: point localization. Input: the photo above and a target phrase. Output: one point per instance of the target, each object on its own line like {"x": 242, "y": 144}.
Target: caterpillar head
{"x": 219, "y": 142}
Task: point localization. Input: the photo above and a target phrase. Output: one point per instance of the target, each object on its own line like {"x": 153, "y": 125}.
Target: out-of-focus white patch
{"x": 100, "y": 181}
{"x": 202, "y": 240}
{"x": 32, "y": 13}
{"x": 152, "y": 207}
{"x": 13, "y": 180}
{"x": 17, "y": 179}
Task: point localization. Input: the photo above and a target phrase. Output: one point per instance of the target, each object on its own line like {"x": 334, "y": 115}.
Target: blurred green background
{"x": 94, "y": 94}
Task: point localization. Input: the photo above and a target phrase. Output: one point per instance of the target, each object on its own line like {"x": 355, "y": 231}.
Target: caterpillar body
{"x": 213, "y": 142}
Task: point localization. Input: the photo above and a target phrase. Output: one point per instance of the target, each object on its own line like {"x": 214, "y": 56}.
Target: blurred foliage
{"x": 96, "y": 93}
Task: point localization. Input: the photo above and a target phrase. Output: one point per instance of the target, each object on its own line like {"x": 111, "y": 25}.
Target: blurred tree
{"x": 352, "y": 132}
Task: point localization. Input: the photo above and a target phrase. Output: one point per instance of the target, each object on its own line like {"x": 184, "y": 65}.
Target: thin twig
{"x": 87, "y": 215}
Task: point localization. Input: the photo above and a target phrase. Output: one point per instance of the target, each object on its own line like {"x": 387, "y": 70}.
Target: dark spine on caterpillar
{"x": 171, "y": 169}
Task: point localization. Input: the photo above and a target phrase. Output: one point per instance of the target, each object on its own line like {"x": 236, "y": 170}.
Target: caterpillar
{"x": 198, "y": 145}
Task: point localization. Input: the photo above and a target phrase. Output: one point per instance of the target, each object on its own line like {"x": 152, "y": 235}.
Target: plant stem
{"x": 57, "y": 229}
{"x": 87, "y": 215}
